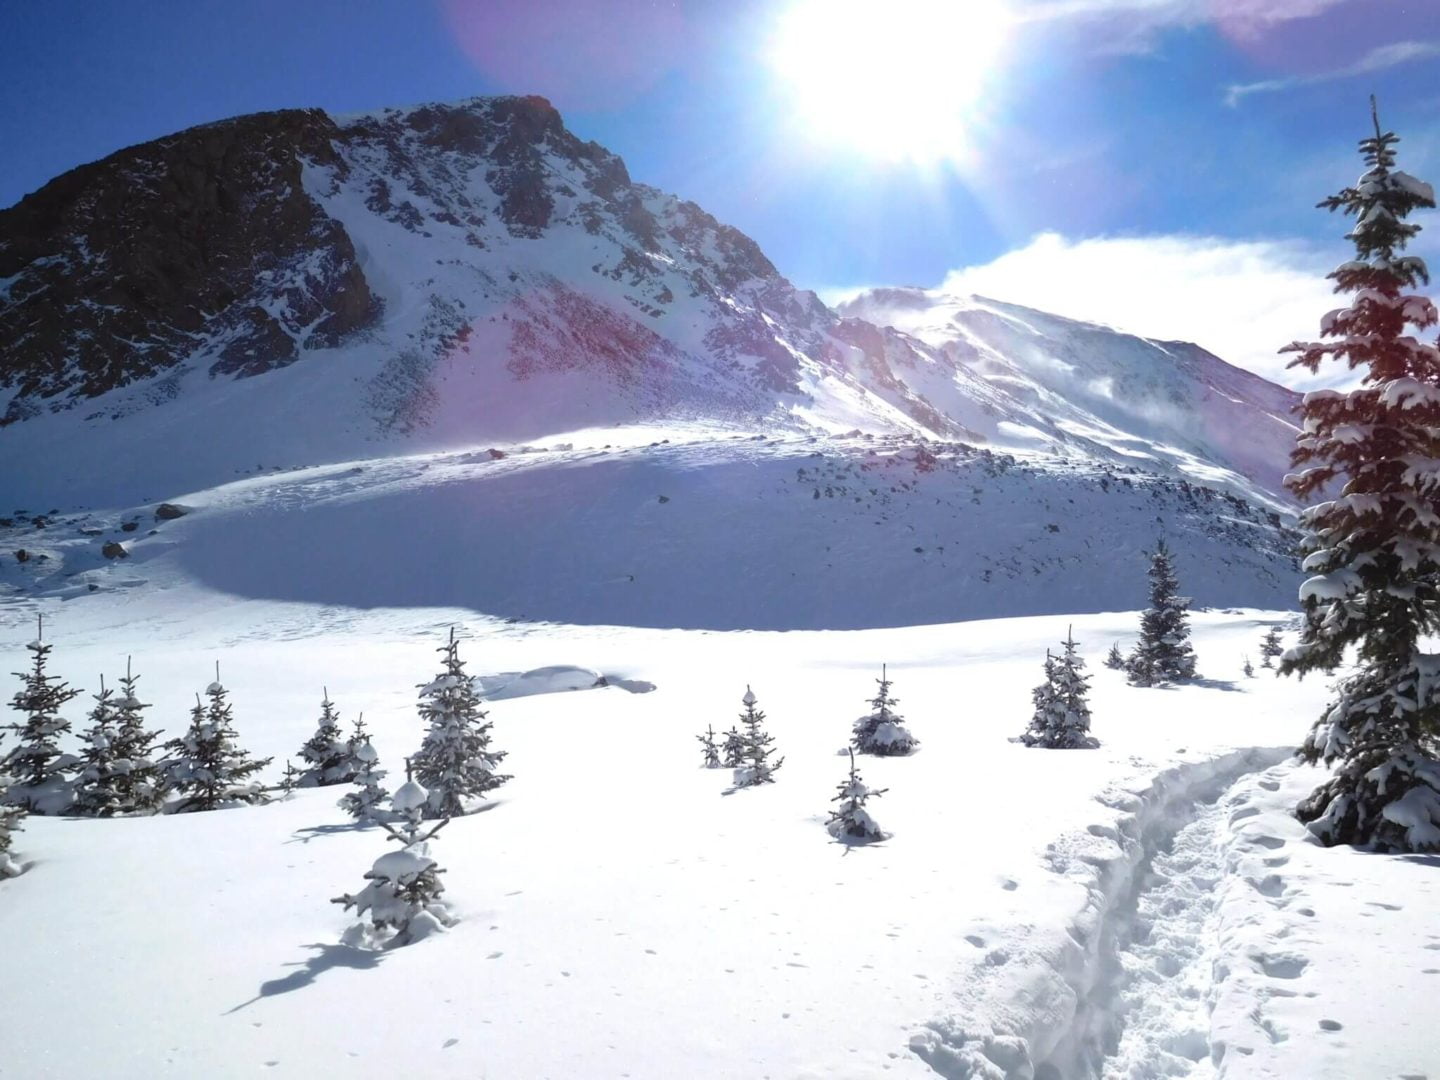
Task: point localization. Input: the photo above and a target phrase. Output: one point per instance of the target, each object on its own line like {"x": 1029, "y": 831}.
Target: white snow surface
{"x": 680, "y": 931}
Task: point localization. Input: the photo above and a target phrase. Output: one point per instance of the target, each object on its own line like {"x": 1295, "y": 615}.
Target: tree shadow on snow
{"x": 304, "y": 836}
{"x": 331, "y": 956}
{"x": 1215, "y": 684}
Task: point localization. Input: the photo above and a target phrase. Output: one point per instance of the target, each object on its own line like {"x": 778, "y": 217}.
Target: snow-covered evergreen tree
{"x": 326, "y": 754}
{"x": 455, "y": 763}
{"x": 36, "y": 765}
{"x": 364, "y": 803}
{"x": 206, "y": 766}
{"x": 851, "y": 821}
{"x": 1248, "y": 669}
{"x": 97, "y": 790}
{"x": 1114, "y": 659}
{"x": 1373, "y": 543}
{"x": 1270, "y": 647}
{"x": 1163, "y": 653}
{"x": 756, "y": 768}
{"x": 882, "y": 731}
{"x": 733, "y": 752}
{"x": 709, "y": 748}
{"x": 401, "y": 904}
{"x": 1062, "y": 716}
{"x": 140, "y": 781}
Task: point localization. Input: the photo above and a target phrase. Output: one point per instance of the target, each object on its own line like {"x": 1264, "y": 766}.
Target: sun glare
{"x": 892, "y": 78}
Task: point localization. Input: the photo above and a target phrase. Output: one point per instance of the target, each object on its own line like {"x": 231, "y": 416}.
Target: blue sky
{"x": 1108, "y": 141}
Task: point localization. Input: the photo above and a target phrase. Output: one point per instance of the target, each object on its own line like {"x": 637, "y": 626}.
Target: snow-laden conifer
{"x": 882, "y": 730}
{"x": 455, "y": 763}
{"x": 756, "y": 768}
{"x": 10, "y": 819}
{"x": 733, "y": 751}
{"x": 1163, "y": 653}
{"x": 401, "y": 902}
{"x": 364, "y": 802}
{"x": 851, "y": 821}
{"x": 709, "y": 748}
{"x": 1270, "y": 647}
{"x": 100, "y": 768}
{"x": 326, "y": 754}
{"x": 140, "y": 781}
{"x": 36, "y": 764}
{"x": 1061, "y": 720}
{"x": 1372, "y": 544}
{"x": 206, "y": 765}
{"x": 1115, "y": 659}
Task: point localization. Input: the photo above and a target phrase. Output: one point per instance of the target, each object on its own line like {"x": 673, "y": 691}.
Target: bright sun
{"x": 893, "y": 78}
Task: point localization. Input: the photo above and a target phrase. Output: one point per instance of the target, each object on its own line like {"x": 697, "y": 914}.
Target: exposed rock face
{"x": 117, "y": 270}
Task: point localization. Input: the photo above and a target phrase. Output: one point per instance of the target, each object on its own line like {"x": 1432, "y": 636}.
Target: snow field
{"x": 621, "y": 915}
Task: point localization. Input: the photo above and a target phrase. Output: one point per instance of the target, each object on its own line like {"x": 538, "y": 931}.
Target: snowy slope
{"x": 623, "y": 916}
{"x": 687, "y": 530}
{"x": 294, "y": 289}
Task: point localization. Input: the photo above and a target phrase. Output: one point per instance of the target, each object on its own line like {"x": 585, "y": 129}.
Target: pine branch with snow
{"x": 1371, "y": 456}
{"x": 1061, "y": 720}
{"x": 851, "y": 822}
{"x": 455, "y": 763}
{"x": 882, "y": 730}
{"x": 10, "y": 823}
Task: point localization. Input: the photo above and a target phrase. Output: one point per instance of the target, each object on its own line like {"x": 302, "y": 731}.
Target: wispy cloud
{"x": 1242, "y": 300}
{"x": 1133, "y": 23}
{"x": 1377, "y": 59}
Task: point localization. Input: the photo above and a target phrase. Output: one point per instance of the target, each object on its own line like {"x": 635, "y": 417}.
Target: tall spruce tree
{"x": 100, "y": 768}
{"x": 37, "y": 766}
{"x": 141, "y": 782}
{"x": 1373, "y": 543}
{"x": 1163, "y": 653}
{"x": 401, "y": 902}
{"x": 326, "y": 754}
{"x": 207, "y": 767}
{"x": 1270, "y": 647}
{"x": 851, "y": 821}
{"x": 882, "y": 731}
{"x": 1062, "y": 715}
{"x": 455, "y": 763}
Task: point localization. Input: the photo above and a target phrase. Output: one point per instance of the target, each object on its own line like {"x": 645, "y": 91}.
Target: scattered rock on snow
{"x": 170, "y": 511}
{"x": 114, "y": 550}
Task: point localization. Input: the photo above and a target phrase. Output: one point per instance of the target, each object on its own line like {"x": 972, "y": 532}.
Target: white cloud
{"x": 1377, "y": 59}
{"x": 1242, "y": 300}
{"x": 1136, "y": 21}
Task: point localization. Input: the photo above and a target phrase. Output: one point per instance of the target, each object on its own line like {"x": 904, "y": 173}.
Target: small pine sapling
{"x": 1115, "y": 659}
{"x": 756, "y": 768}
{"x": 401, "y": 904}
{"x": 1061, "y": 720}
{"x": 1249, "y": 668}
{"x": 1270, "y": 647}
{"x": 363, "y": 803}
{"x": 100, "y": 768}
{"x": 455, "y": 763}
{"x": 326, "y": 754}
{"x": 207, "y": 767}
{"x": 141, "y": 781}
{"x": 289, "y": 780}
{"x": 851, "y": 822}
{"x": 734, "y": 749}
{"x": 36, "y": 765}
{"x": 882, "y": 731}
{"x": 708, "y": 747}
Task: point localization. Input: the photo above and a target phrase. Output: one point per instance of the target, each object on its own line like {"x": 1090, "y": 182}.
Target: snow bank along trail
{"x": 1121, "y": 990}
